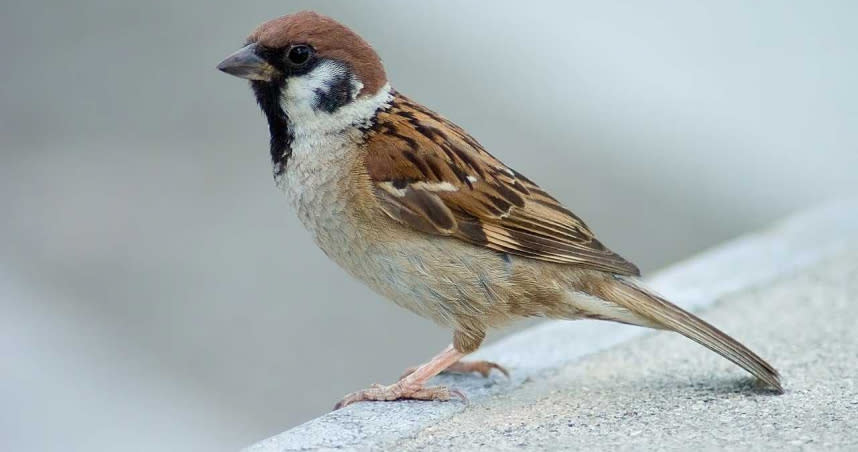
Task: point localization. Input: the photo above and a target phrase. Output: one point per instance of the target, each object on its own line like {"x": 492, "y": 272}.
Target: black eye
{"x": 299, "y": 54}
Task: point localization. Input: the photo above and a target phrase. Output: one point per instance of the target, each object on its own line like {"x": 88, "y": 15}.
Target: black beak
{"x": 247, "y": 64}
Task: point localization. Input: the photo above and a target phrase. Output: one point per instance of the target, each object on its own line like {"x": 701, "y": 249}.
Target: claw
{"x": 460, "y": 395}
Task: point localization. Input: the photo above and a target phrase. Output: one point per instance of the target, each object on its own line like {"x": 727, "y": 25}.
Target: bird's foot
{"x": 483, "y": 368}
{"x": 399, "y": 391}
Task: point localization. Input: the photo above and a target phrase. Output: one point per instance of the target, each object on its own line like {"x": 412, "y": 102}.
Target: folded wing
{"x": 431, "y": 175}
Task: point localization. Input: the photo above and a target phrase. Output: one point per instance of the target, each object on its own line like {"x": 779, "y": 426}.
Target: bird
{"x": 410, "y": 204}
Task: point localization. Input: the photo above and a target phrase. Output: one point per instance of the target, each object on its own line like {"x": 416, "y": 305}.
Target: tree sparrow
{"x": 409, "y": 203}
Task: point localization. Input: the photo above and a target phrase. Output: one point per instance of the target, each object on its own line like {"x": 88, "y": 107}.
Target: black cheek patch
{"x": 338, "y": 94}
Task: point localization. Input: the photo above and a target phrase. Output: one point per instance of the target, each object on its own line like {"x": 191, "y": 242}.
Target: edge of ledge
{"x": 751, "y": 260}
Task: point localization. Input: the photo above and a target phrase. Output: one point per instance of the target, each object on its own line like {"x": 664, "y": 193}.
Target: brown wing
{"x": 431, "y": 175}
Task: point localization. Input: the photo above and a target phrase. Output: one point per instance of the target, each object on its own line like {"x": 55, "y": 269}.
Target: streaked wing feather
{"x": 431, "y": 175}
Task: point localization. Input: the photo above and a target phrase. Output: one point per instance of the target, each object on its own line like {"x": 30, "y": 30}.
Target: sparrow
{"x": 414, "y": 207}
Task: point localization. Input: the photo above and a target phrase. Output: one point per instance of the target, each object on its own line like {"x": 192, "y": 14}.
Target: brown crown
{"x": 330, "y": 38}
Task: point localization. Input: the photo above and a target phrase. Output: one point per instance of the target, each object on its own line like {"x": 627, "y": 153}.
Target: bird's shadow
{"x": 713, "y": 386}
{"x": 736, "y": 385}
{"x": 698, "y": 386}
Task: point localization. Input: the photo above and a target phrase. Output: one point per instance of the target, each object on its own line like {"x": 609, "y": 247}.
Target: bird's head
{"x": 310, "y": 61}
{"x": 308, "y": 72}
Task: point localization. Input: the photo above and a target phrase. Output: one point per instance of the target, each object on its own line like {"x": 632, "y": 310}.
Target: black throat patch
{"x": 268, "y": 97}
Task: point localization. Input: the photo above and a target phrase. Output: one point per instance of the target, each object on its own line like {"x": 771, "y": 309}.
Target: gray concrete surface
{"x": 787, "y": 292}
{"x": 661, "y": 391}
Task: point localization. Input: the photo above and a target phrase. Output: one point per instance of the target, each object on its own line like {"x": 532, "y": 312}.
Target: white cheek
{"x": 299, "y": 101}
{"x": 300, "y": 94}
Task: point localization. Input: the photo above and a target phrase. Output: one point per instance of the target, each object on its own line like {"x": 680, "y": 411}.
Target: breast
{"x": 436, "y": 277}
{"x": 321, "y": 186}
{"x": 316, "y": 182}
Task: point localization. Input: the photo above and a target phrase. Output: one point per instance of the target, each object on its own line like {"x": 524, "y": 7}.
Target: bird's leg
{"x": 413, "y": 385}
{"x": 466, "y": 341}
{"x": 483, "y": 368}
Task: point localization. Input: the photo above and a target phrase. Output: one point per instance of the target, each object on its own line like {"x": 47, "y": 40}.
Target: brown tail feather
{"x": 628, "y": 294}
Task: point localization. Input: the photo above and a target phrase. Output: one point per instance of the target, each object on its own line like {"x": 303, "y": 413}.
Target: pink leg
{"x": 413, "y": 385}
{"x": 483, "y": 368}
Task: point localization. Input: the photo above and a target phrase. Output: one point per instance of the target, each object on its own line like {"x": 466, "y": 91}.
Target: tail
{"x": 654, "y": 309}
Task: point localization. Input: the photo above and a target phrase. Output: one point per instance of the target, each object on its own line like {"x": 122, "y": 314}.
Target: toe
{"x": 491, "y": 365}
{"x": 358, "y": 396}
{"x": 483, "y": 368}
{"x": 397, "y": 392}
{"x": 346, "y": 401}
{"x": 433, "y": 393}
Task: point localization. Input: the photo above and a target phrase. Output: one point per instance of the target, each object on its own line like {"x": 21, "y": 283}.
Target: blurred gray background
{"x": 156, "y": 292}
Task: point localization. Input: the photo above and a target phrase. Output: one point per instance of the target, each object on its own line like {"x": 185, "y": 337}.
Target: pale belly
{"x": 440, "y": 278}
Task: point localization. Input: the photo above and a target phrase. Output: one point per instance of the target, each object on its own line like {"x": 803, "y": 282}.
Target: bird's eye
{"x": 299, "y": 54}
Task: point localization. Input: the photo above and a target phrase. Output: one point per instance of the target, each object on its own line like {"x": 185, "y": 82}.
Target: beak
{"x": 247, "y": 64}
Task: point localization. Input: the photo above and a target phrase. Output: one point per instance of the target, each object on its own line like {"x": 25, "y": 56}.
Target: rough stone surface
{"x": 788, "y": 293}
{"x": 662, "y": 391}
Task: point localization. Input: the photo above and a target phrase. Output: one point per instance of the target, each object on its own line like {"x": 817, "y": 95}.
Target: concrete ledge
{"x": 537, "y": 355}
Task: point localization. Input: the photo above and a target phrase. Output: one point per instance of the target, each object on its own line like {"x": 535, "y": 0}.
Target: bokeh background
{"x": 156, "y": 292}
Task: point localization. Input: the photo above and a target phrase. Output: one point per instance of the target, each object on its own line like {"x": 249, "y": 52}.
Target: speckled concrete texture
{"x": 662, "y": 391}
